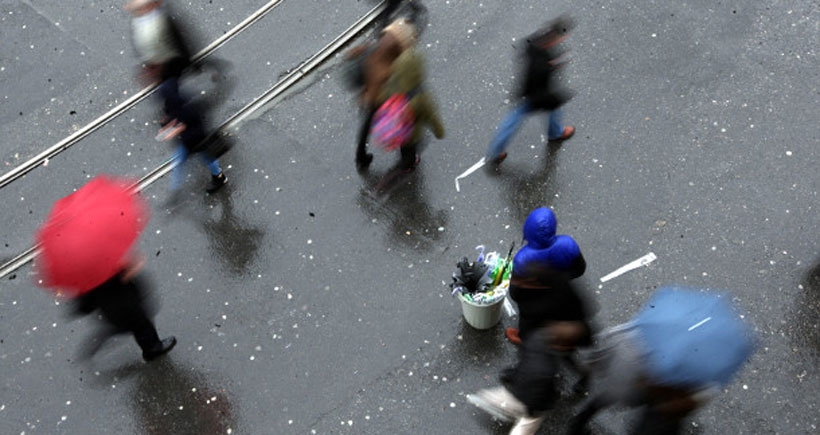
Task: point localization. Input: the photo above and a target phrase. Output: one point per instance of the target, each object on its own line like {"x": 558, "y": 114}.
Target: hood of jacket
{"x": 539, "y": 228}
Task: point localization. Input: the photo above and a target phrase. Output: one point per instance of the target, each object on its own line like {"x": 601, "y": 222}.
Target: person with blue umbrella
{"x": 670, "y": 359}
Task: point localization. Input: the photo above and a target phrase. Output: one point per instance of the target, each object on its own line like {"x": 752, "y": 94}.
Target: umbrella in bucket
{"x": 471, "y": 277}
{"x": 482, "y": 281}
{"x": 87, "y": 235}
{"x": 692, "y": 338}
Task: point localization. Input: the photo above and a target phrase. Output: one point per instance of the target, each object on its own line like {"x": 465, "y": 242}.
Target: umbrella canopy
{"x": 692, "y": 338}
{"x": 86, "y": 236}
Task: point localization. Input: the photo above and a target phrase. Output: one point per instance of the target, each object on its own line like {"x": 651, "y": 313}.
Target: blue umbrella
{"x": 693, "y": 338}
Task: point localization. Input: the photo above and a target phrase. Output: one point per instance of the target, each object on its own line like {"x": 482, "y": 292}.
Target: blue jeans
{"x": 512, "y": 122}
{"x": 180, "y": 156}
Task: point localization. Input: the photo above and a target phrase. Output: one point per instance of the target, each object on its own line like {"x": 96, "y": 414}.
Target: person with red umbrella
{"x": 85, "y": 253}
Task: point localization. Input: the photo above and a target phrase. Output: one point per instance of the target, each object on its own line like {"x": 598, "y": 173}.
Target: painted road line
{"x": 472, "y": 169}
{"x": 643, "y": 261}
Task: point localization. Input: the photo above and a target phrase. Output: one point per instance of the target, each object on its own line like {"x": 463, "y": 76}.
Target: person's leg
{"x": 505, "y": 131}
{"x": 582, "y": 384}
{"x": 555, "y": 126}
{"x": 363, "y": 158}
{"x": 577, "y": 424}
{"x": 145, "y": 334}
{"x": 218, "y": 179}
{"x": 147, "y": 338}
{"x": 212, "y": 165}
{"x": 408, "y": 157}
{"x": 178, "y": 173}
{"x": 653, "y": 422}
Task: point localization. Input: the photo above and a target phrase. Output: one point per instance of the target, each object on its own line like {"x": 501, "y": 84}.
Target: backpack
{"x": 394, "y": 121}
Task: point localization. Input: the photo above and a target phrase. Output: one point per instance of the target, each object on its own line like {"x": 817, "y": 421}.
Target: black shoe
{"x": 217, "y": 181}
{"x": 164, "y": 347}
{"x": 363, "y": 162}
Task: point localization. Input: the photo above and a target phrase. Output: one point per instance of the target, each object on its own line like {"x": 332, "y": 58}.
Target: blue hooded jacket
{"x": 545, "y": 249}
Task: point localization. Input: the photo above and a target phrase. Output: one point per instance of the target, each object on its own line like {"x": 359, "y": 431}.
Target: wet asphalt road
{"x": 302, "y": 305}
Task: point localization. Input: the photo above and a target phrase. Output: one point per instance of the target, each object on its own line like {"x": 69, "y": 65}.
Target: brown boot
{"x": 568, "y": 132}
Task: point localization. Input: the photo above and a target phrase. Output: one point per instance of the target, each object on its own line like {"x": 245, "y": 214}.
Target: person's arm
{"x": 431, "y": 116}
{"x": 578, "y": 267}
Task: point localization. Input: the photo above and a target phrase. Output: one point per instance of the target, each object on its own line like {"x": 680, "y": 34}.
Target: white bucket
{"x": 481, "y": 316}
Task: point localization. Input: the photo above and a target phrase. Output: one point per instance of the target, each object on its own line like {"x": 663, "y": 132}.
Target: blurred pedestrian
{"x": 376, "y": 69}
{"x": 165, "y": 55}
{"x": 620, "y": 379}
{"x": 553, "y": 323}
{"x": 540, "y": 90}
{"x": 123, "y": 301}
{"x": 85, "y": 250}
{"x": 528, "y": 389}
{"x": 407, "y": 83}
{"x": 672, "y": 358}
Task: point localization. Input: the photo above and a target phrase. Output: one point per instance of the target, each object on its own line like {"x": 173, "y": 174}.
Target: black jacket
{"x": 541, "y": 87}
{"x": 557, "y": 300}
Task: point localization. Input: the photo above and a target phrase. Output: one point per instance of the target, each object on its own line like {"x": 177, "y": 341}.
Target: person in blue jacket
{"x": 546, "y": 259}
{"x": 540, "y": 90}
{"x": 553, "y": 322}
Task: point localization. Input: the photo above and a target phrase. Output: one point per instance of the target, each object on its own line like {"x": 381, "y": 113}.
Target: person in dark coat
{"x": 553, "y": 322}
{"x": 619, "y": 378}
{"x": 539, "y": 91}
{"x": 547, "y": 260}
{"x": 123, "y": 302}
{"x": 165, "y": 55}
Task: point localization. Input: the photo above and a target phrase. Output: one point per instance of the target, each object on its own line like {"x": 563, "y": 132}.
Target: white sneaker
{"x": 499, "y": 403}
{"x": 527, "y": 425}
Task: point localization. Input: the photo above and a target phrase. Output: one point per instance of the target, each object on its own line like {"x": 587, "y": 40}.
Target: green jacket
{"x": 408, "y": 74}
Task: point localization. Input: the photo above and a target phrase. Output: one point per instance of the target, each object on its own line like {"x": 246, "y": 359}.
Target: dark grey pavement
{"x": 302, "y": 305}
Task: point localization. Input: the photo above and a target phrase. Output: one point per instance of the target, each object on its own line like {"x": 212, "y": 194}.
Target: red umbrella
{"x": 85, "y": 239}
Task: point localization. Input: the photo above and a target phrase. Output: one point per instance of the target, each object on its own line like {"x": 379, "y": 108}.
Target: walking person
{"x": 553, "y": 323}
{"x": 619, "y": 378}
{"x": 376, "y": 69}
{"x": 676, "y": 354}
{"x": 407, "y": 82}
{"x": 164, "y": 54}
{"x": 539, "y": 91}
{"x": 86, "y": 254}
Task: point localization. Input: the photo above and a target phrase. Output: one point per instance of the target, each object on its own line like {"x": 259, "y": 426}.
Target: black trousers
{"x": 364, "y": 132}
{"x": 125, "y": 308}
